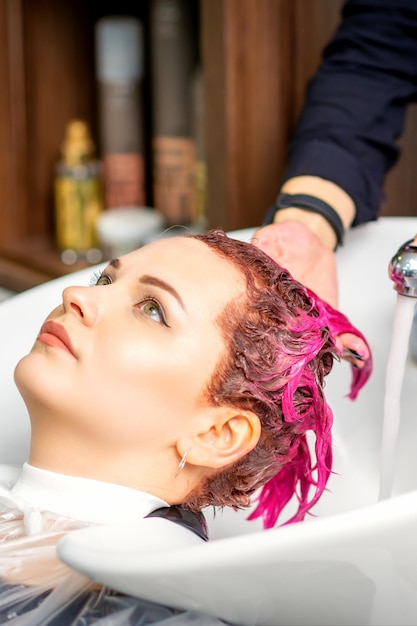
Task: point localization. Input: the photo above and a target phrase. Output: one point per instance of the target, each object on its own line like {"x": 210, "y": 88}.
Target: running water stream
{"x": 403, "y": 319}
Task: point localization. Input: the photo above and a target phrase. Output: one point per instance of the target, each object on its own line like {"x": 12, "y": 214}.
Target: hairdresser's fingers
{"x": 352, "y": 349}
{"x": 292, "y": 245}
{"x": 295, "y": 247}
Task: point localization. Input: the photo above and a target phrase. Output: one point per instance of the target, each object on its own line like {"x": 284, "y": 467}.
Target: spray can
{"x": 78, "y": 196}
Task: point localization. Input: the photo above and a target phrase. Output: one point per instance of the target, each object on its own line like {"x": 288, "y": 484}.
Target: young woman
{"x": 188, "y": 375}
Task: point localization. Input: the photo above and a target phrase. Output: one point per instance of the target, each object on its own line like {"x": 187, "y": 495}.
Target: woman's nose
{"x": 80, "y": 302}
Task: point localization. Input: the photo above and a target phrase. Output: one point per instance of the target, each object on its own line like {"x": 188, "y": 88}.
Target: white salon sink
{"x": 355, "y": 562}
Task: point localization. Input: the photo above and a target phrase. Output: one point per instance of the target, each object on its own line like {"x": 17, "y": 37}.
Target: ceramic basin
{"x": 354, "y": 561}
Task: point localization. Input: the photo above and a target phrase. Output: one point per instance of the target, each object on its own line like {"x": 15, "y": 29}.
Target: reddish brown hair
{"x": 278, "y": 351}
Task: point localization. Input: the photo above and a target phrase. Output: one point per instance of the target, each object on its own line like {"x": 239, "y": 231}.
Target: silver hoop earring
{"x": 183, "y": 461}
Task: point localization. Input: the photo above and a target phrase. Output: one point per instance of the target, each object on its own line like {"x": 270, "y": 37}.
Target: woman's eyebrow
{"x": 115, "y": 263}
{"x": 146, "y": 279}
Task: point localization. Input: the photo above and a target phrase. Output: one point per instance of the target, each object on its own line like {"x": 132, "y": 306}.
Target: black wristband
{"x": 308, "y": 203}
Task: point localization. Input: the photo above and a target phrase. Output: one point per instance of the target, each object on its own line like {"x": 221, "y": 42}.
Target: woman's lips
{"x": 53, "y": 334}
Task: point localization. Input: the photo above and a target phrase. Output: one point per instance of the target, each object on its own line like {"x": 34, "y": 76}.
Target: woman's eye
{"x": 152, "y": 308}
{"x": 100, "y": 278}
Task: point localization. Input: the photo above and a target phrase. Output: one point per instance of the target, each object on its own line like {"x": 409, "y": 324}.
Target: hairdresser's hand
{"x": 295, "y": 247}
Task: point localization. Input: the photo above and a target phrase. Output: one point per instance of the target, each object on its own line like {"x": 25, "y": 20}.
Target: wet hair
{"x": 278, "y": 350}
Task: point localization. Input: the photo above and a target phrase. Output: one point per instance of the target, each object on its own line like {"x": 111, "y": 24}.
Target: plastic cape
{"x": 38, "y": 589}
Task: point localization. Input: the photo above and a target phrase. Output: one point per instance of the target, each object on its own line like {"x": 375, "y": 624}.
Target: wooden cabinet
{"x": 47, "y": 77}
{"x": 257, "y": 56}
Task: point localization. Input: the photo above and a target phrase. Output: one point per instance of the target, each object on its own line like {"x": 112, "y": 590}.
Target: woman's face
{"x": 127, "y": 359}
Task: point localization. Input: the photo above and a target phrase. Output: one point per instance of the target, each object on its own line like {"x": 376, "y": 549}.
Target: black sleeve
{"x": 356, "y": 103}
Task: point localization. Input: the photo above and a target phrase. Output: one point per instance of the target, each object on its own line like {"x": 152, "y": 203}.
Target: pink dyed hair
{"x": 279, "y": 348}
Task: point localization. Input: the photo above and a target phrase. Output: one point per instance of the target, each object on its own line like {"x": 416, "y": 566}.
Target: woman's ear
{"x": 227, "y": 436}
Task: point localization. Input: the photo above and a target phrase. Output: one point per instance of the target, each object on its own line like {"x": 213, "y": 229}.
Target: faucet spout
{"x": 403, "y": 269}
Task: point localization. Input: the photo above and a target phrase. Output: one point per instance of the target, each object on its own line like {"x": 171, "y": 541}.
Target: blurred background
{"x": 185, "y": 107}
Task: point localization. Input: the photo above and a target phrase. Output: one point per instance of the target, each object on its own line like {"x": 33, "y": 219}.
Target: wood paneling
{"x": 60, "y": 85}
{"x": 246, "y": 66}
{"x": 13, "y": 190}
{"x": 257, "y": 57}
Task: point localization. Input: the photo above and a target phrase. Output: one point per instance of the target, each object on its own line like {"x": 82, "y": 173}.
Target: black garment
{"x": 195, "y": 522}
{"x": 356, "y": 103}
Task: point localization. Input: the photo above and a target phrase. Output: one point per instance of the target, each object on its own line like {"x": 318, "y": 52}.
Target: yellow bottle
{"x": 78, "y": 196}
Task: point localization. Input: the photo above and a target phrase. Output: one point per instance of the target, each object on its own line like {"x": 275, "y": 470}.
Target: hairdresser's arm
{"x": 347, "y": 132}
{"x": 356, "y": 103}
{"x": 353, "y": 114}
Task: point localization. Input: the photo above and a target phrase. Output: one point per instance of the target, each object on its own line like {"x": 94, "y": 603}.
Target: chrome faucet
{"x": 403, "y": 269}
{"x": 403, "y": 272}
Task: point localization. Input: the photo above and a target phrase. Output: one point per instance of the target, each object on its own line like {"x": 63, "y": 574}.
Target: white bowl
{"x": 122, "y": 230}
